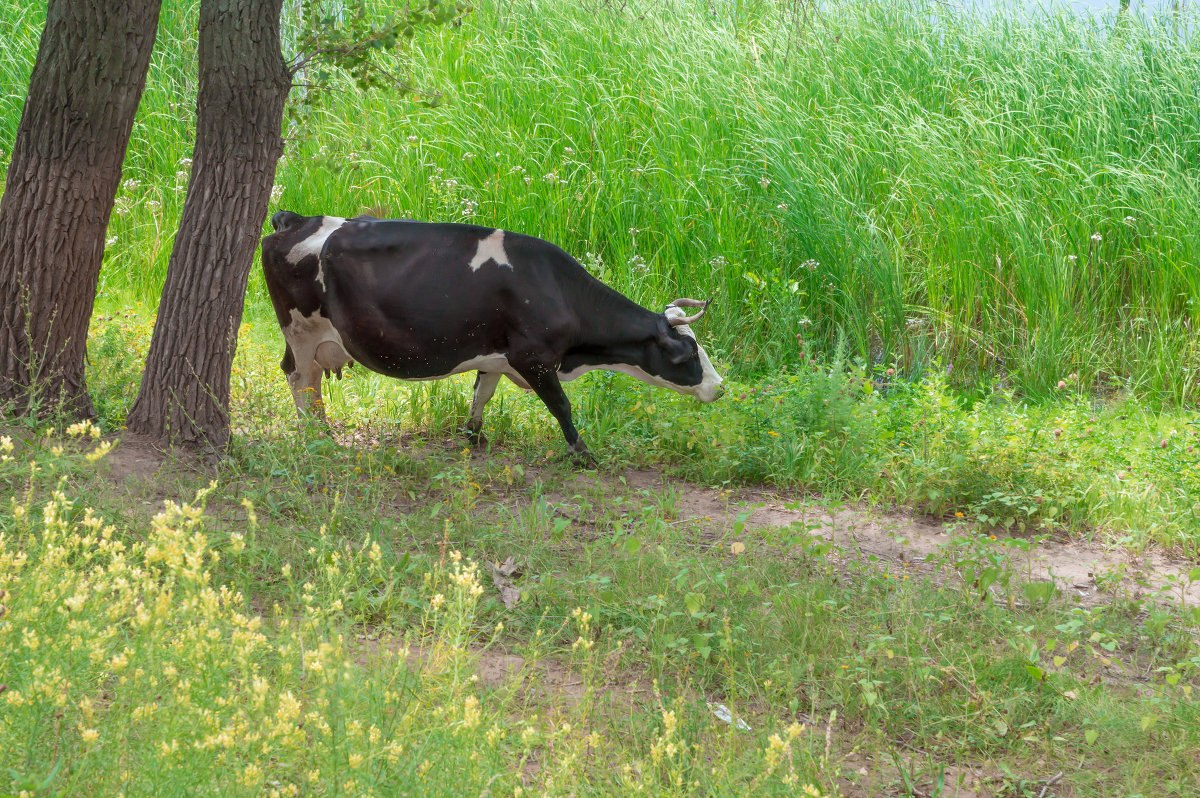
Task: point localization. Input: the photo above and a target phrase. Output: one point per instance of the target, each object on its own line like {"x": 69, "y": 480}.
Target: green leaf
{"x": 1039, "y": 592}
{"x": 1090, "y": 736}
{"x": 694, "y": 602}
{"x": 560, "y": 527}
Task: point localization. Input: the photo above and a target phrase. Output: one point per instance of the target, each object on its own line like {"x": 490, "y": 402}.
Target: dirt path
{"x": 1092, "y": 572}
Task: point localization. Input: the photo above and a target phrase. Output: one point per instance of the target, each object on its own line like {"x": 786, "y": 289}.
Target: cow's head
{"x": 678, "y": 361}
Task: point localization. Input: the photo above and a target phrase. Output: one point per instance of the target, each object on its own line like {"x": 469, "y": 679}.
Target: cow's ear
{"x": 685, "y": 351}
{"x": 678, "y": 348}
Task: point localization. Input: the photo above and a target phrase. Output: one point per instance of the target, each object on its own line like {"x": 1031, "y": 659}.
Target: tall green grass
{"x": 1011, "y": 198}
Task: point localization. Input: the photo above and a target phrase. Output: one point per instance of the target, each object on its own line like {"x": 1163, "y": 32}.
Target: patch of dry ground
{"x": 1074, "y": 564}
{"x": 1080, "y": 567}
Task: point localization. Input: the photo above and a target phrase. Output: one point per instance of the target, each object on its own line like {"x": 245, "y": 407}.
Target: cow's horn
{"x": 688, "y": 303}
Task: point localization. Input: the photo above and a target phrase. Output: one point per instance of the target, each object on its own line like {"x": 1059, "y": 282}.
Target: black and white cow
{"x": 422, "y": 301}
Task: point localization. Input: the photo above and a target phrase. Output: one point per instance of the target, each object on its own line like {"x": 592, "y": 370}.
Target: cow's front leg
{"x": 544, "y": 381}
{"x": 485, "y": 386}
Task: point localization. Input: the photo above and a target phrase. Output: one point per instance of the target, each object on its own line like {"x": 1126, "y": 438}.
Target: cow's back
{"x": 416, "y": 298}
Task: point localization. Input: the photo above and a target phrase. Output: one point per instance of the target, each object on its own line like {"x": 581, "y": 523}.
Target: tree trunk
{"x": 244, "y": 83}
{"x": 66, "y": 168}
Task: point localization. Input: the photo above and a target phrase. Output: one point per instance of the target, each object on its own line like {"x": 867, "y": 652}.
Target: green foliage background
{"x": 1015, "y": 197}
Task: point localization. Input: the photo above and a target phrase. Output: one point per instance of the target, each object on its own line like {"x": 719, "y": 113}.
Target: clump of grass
{"x": 132, "y": 666}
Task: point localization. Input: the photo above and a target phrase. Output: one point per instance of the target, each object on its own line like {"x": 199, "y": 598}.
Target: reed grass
{"x": 1011, "y": 196}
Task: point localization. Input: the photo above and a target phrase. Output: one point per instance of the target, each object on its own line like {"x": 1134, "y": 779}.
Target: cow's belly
{"x": 417, "y": 366}
{"x": 495, "y": 362}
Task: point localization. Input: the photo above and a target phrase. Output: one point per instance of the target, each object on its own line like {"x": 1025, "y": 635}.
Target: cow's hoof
{"x": 476, "y": 438}
{"x": 584, "y": 459}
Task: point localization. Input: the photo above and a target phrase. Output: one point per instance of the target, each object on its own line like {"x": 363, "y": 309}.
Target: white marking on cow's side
{"x": 495, "y": 363}
{"x": 490, "y": 248}
{"x": 313, "y": 244}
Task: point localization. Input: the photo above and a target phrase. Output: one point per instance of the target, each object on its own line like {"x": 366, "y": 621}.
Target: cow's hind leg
{"x": 304, "y": 378}
{"x": 485, "y": 386}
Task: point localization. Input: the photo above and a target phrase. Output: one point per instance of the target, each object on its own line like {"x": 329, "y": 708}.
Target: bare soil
{"x": 1092, "y": 572}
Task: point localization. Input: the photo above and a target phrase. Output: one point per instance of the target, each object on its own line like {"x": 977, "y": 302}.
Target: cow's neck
{"x": 612, "y": 329}
{"x": 611, "y": 316}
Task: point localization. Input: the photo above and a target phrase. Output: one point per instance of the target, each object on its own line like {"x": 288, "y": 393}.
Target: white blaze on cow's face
{"x": 709, "y": 388}
{"x": 312, "y": 245}
{"x": 490, "y": 248}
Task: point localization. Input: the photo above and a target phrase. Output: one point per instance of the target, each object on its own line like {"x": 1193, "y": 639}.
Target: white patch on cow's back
{"x": 312, "y": 245}
{"x": 490, "y": 248}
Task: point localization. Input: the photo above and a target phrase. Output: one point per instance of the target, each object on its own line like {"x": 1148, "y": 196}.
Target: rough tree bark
{"x": 65, "y": 170}
{"x": 244, "y": 83}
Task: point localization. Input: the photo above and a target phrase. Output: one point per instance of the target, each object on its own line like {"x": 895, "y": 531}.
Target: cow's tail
{"x": 285, "y": 219}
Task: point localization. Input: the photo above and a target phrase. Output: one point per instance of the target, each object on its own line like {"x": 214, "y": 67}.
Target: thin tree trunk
{"x": 244, "y": 83}
{"x": 66, "y": 168}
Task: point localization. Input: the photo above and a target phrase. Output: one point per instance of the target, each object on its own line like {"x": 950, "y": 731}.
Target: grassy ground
{"x": 955, "y": 217}
{"x": 311, "y": 623}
